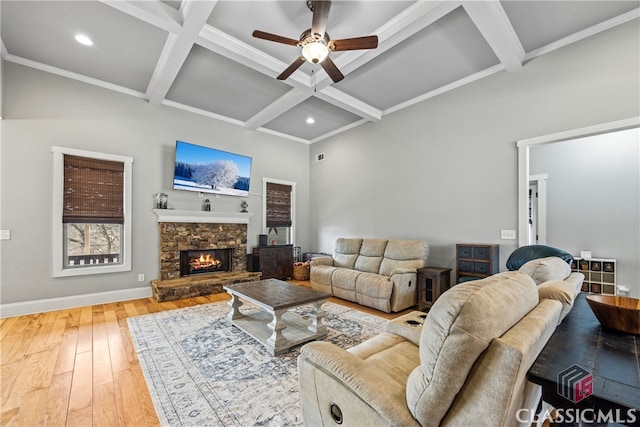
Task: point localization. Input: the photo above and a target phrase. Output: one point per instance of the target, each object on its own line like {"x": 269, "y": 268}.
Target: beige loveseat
{"x": 377, "y": 273}
{"x": 465, "y": 364}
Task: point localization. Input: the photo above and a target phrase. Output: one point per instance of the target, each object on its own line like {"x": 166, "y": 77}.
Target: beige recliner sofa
{"x": 376, "y": 273}
{"x": 464, "y": 364}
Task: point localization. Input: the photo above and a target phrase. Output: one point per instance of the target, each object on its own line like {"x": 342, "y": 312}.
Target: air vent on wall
{"x": 319, "y": 157}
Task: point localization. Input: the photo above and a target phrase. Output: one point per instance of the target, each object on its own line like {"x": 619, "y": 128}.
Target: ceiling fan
{"x": 316, "y": 43}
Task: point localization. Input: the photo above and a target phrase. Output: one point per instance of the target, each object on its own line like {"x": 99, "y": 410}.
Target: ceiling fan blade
{"x": 366, "y": 42}
{"x": 320, "y": 16}
{"x": 332, "y": 70}
{"x": 291, "y": 68}
{"x": 274, "y": 38}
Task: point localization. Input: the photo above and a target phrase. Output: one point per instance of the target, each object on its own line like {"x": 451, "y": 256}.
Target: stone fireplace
{"x": 213, "y": 244}
{"x": 190, "y": 236}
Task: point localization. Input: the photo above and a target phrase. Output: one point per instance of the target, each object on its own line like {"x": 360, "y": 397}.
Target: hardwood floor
{"x": 78, "y": 367}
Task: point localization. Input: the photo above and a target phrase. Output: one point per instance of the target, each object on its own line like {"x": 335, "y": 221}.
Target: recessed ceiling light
{"x": 310, "y": 120}
{"x": 82, "y": 39}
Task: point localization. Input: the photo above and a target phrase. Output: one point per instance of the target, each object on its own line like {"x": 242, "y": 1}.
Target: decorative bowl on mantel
{"x": 616, "y": 312}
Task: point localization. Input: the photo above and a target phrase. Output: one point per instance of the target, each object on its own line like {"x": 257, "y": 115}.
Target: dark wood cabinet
{"x": 475, "y": 261}
{"x": 432, "y": 282}
{"x": 274, "y": 262}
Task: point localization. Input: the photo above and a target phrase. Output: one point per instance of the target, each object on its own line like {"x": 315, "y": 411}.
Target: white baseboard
{"x": 62, "y": 303}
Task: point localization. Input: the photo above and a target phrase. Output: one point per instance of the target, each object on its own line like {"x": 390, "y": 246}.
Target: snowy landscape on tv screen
{"x": 209, "y": 170}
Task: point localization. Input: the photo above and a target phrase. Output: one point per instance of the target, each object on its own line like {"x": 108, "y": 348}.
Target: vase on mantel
{"x": 161, "y": 200}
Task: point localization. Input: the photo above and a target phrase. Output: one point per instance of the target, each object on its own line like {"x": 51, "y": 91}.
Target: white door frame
{"x": 524, "y": 145}
{"x": 539, "y": 207}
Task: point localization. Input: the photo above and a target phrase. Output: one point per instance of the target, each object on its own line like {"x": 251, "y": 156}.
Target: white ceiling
{"x": 200, "y": 56}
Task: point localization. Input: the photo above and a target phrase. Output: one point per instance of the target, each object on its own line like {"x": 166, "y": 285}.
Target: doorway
{"x": 537, "y": 209}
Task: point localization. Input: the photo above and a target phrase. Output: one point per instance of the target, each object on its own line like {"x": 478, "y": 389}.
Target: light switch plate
{"x": 5, "y": 234}
{"x": 508, "y": 234}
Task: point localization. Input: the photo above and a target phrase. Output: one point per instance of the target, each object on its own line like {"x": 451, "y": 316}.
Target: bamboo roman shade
{"x": 278, "y": 205}
{"x": 93, "y": 191}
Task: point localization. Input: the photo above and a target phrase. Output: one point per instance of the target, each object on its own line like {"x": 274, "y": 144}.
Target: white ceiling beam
{"x": 155, "y": 13}
{"x": 223, "y": 44}
{"x": 407, "y": 23}
{"x": 177, "y": 48}
{"x": 416, "y": 17}
{"x": 493, "y": 23}
{"x": 411, "y": 20}
{"x": 347, "y": 102}
{"x": 238, "y": 51}
{"x": 280, "y": 106}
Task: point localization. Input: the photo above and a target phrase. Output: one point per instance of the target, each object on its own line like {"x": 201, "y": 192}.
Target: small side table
{"x": 432, "y": 282}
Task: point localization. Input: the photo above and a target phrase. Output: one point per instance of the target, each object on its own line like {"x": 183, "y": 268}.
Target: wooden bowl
{"x": 616, "y": 312}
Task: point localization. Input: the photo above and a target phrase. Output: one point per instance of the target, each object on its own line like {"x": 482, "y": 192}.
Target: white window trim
{"x": 265, "y": 230}
{"x": 58, "y": 226}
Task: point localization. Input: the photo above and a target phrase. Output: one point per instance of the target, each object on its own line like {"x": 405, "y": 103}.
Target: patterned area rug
{"x": 201, "y": 371}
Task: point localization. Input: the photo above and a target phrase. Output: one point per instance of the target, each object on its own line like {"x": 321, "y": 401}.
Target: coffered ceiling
{"x": 200, "y": 56}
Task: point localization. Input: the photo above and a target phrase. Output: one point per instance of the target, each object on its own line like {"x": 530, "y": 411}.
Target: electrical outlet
{"x": 5, "y": 234}
{"x": 508, "y": 234}
{"x": 141, "y": 277}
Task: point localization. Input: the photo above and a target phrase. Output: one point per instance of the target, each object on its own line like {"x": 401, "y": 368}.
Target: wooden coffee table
{"x": 273, "y": 325}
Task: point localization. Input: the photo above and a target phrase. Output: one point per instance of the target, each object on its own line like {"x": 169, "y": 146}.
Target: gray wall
{"x": 445, "y": 170}
{"x": 593, "y": 198}
{"x": 42, "y": 110}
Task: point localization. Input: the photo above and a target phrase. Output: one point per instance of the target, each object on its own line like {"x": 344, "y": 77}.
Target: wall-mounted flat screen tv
{"x": 208, "y": 170}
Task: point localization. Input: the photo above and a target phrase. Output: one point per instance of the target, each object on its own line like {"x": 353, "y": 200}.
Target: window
{"x": 279, "y": 200}
{"x": 92, "y": 220}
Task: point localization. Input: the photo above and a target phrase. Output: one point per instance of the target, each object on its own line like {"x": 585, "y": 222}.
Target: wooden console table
{"x": 610, "y": 356}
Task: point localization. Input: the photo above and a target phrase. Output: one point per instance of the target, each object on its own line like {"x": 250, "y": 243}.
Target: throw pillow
{"x": 544, "y": 269}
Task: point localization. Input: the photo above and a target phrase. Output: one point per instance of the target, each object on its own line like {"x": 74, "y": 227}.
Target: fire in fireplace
{"x": 205, "y": 261}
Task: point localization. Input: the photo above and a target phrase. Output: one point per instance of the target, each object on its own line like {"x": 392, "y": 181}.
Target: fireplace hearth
{"x": 205, "y": 261}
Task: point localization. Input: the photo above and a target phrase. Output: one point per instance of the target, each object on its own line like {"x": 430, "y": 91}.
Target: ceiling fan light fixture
{"x": 315, "y": 52}
{"x": 316, "y": 44}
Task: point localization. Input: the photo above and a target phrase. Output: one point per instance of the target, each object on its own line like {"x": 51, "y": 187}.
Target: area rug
{"x": 202, "y": 371}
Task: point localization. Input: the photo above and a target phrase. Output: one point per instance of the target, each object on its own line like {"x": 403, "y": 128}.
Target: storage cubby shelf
{"x": 599, "y": 274}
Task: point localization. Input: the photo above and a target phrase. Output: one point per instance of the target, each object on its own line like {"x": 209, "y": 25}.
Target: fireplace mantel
{"x": 176, "y": 215}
